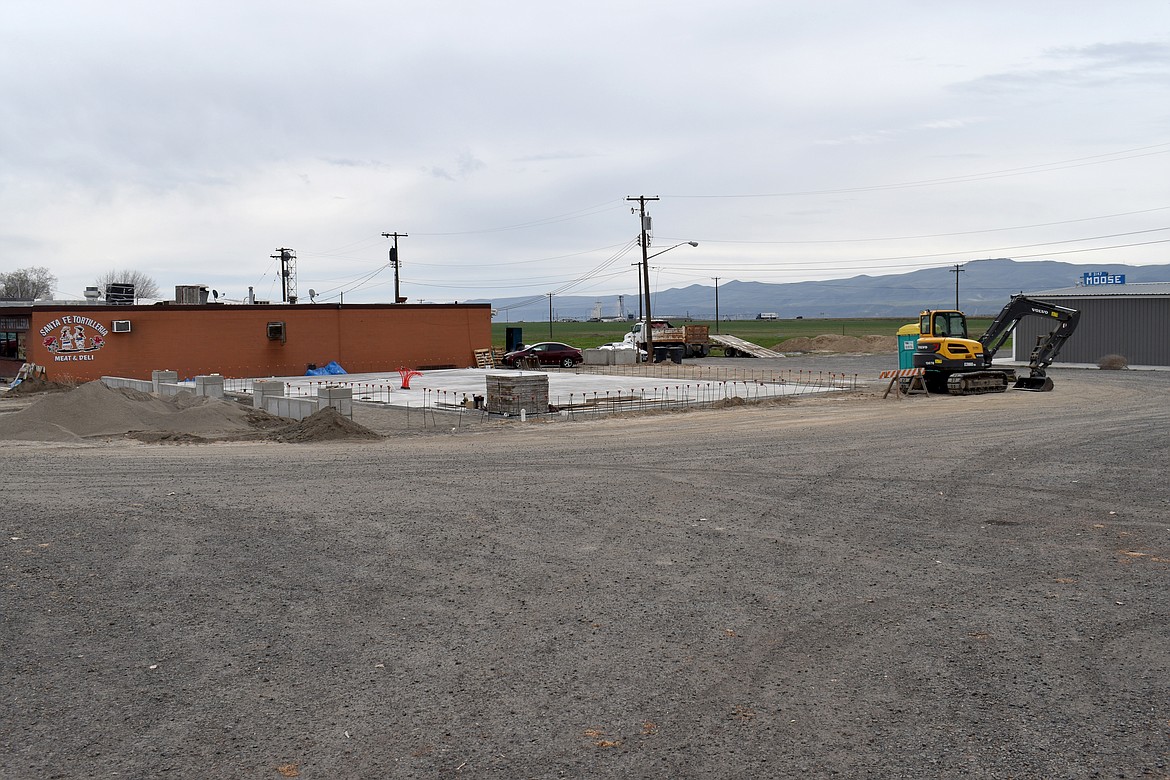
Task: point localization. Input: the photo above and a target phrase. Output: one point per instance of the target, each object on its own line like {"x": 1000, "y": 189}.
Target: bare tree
{"x": 27, "y": 284}
{"x": 144, "y": 285}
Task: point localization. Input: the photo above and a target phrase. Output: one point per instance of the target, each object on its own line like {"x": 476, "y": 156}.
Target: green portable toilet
{"x": 907, "y": 343}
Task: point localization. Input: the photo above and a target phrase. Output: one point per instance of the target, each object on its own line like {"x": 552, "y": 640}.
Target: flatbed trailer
{"x": 737, "y": 347}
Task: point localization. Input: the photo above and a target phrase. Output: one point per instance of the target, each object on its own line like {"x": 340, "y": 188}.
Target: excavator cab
{"x": 943, "y": 324}
{"x": 944, "y": 348}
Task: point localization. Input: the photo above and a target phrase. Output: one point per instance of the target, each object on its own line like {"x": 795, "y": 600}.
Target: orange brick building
{"x": 86, "y": 342}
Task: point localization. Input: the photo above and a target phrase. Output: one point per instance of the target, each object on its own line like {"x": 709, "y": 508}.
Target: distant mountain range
{"x": 984, "y": 287}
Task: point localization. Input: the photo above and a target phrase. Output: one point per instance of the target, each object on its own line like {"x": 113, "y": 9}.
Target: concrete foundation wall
{"x": 162, "y": 383}
{"x": 268, "y": 396}
{"x": 134, "y": 384}
{"x": 610, "y": 357}
{"x": 296, "y": 408}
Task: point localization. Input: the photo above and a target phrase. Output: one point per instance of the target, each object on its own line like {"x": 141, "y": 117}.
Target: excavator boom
{"x": 1046, "y": 348}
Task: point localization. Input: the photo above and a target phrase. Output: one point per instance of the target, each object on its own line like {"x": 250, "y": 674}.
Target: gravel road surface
{"x": 829, "y": 587}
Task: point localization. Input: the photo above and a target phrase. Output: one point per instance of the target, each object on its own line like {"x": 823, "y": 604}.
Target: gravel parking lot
{"x": 839, "y": 586}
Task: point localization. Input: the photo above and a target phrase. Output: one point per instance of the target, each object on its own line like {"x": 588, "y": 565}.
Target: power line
{"x": 935, "y": 235}
{"x": 479, "y": 264}
{"x": 587, "y": 276}
{"x": 588, "y": 211}
{"x": 968, "y": 252}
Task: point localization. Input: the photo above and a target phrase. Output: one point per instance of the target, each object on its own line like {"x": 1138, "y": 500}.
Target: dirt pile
{"x": 727, "y": 403}
{"x": 35, "y": 384}
{"x": 95, "y": 410}
{"x": 328, "y": 424}
{"x": 829, "y": 342}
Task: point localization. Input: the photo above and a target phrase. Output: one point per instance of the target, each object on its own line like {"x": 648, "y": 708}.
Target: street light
{"x": 648, "y": 332}
{"x": 676, "y": 246}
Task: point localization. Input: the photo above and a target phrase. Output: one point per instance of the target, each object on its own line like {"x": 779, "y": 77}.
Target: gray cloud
{"x": 1095, "y": 66}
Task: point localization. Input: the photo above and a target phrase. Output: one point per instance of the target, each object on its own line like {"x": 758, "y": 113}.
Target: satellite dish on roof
{"x": 312, "y": 295}
{"x": 215, "y": 294}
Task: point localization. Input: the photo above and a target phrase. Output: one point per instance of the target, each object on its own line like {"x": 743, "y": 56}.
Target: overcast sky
{"x": 792, "y": 140}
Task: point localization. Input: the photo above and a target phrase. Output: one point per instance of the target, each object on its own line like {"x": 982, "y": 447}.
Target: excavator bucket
{"x": 1039, "y": 384}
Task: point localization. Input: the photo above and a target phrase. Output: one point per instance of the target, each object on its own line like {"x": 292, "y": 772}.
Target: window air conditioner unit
{"x": 121, "y": 326}
{"x": 276, "y": 332}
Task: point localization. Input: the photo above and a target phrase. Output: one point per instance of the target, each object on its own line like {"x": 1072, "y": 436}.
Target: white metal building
{"x": 1131, "y": 320}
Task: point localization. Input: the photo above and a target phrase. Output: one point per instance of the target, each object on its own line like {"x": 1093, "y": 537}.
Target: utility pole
{"x": 716, "y": 278}
{"x": 956, "y": 271}
{"x": 639, "y": 267}
{"x": 550, "y": 317}
{"x": 645, "y": 241}
{"x": 288, "y": 274}
{"x": 394, "y": 262}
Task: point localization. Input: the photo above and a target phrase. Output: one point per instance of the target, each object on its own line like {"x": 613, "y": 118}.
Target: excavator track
{"x": 979, "y": 382}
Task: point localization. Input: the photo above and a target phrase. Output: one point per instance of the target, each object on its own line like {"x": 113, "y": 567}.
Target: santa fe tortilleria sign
{"x": 73, "y": 337}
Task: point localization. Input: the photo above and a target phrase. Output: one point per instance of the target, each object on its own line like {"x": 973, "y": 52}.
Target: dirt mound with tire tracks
{"x": 832, "y": 343}
{"x": 93, "y": 410}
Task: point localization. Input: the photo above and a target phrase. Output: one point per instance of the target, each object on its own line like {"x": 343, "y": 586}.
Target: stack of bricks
{"x": 511, "y": 393}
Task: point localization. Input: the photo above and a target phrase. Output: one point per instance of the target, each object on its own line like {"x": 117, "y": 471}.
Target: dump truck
{"x": 693, "y": 340}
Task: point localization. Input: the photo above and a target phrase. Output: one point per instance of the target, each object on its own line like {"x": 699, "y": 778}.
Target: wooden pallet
{"x": 485, "y": 358}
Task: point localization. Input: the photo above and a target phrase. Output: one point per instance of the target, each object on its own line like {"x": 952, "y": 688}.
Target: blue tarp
{"x": 332, "y": 368}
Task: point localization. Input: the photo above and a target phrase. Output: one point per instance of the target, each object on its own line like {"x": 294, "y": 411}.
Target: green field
{"x": 766, "y": 333}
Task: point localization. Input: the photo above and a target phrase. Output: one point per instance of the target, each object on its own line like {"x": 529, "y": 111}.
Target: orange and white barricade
{"x": 897, "y": 376}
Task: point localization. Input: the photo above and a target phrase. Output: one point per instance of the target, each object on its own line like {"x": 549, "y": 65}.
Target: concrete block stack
{"x": 512, "y": 393}
{"x": 210, "y": 385}
{"x": 598, "y": 357}
{"x": 163, "y": 377}
{"x": 262, "y": 390}
{"x": 340, "y": 398}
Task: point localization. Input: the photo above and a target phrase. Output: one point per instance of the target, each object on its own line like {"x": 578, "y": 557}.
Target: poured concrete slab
{"x": 567, "y": 389}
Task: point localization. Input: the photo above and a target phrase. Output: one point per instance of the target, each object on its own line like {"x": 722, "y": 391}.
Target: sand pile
{"x": 93, "y": 409}
{"x": 325, "y": 425}
{"x": 829, "y": 342}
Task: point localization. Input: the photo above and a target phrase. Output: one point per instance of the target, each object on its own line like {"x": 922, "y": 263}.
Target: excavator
{"x": 959, "y": 365}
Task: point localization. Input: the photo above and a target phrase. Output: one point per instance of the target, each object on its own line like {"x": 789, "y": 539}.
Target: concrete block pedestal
{"x": 163, "y": 377}
{"x": 513, "y": 393}
{"x": 340, "y": 398}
